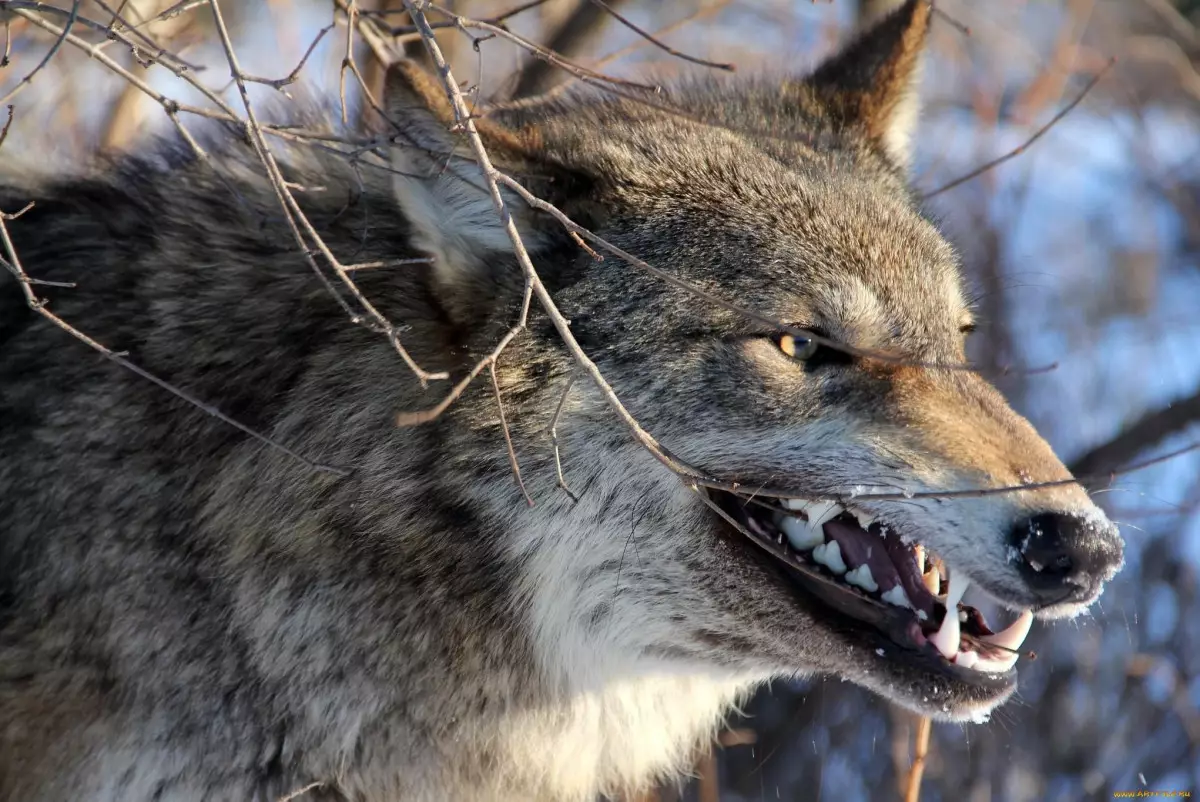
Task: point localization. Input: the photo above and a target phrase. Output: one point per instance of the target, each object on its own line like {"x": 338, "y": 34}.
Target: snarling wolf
{"x": 187, "y": 613}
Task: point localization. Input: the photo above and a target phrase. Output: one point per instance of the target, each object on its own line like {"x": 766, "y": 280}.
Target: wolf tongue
{"x": 859, "y": 548}
{"x": 904, "y": 558}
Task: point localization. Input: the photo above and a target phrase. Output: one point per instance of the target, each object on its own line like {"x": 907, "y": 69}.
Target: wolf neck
{"x": 622, "y": 701}
{"x": 618, "y": 738}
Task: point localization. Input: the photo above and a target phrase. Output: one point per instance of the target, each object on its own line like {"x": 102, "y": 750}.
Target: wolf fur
{"x": 189, "y": 614}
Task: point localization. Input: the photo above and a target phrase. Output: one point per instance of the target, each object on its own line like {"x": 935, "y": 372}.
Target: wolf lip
{"x": 854, "y": 565}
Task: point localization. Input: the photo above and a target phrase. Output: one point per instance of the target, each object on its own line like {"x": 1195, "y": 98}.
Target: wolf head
{"x": 788, "y": 198}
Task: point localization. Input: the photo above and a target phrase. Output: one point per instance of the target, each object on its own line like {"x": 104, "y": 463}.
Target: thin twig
{"x": 299, "y": 792}
{"x": 554, "y": 439}
{"x": 1136, "y": 437}
{"x": 660, "y": 45}
{"x": 466, "y": 124}
{"x": 920, "y": 752}
{"x": 295, "y": 216}
{"x": 13, "y": 263}
{"x": 407, "y": 30}
{"x": 419, "y": 260}
{"x": 294, "y": 75}
{"x": 58, "y": 43}
{"x": 348, "y": 59}
{"x": 7, "y": 125}
{"x": 579, "y": 71}
{"x": 508, "y": 443}
{"x": 561, "y": 88}
{"x": 1038, "y": 134}
{"x": 568, "y": 39}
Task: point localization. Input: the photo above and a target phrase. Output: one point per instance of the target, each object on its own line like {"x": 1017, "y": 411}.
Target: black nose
{"x": 1064, "y": 558}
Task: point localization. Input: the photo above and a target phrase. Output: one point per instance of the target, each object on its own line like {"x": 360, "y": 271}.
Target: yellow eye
{"x": 798, "y": 348}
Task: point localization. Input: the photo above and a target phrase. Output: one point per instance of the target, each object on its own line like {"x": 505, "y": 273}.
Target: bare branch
{"x": 13, "y": 264}
{"x": 920, "y": 753}
{"x": 296, "y": 218}
{"x": 538, "y": 76}
{"x": 1138, "y": 436}
{"x": 7, "y": 125}
{"x": 508, "y": 443}
{"x": 465, "y": 123}
{"x": 408, "y": 30}
{"x": 1038, "y": 134}
{"x": 707, "y": 9}
{"x": 554, "y": 439}
{"x": 660, "y": 45}
{"x": 545, "y": 54}
{"x": 294, "y": 75}
{"x": 50, "y": 54}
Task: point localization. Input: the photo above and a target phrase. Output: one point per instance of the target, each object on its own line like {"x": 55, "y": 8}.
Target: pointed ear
{"x": 872, "y": 83}
{"x": 441, "y": 190}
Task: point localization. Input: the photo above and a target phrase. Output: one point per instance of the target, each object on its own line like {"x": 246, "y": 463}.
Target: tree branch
{"x": 570, "y": 38}
{"x": 1142, "y": 434}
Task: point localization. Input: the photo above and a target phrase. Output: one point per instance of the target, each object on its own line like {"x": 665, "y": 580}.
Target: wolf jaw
{"x": 862, "y": 569}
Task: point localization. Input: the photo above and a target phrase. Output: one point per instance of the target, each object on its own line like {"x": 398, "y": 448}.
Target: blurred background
{"x": 1083, "y": 251}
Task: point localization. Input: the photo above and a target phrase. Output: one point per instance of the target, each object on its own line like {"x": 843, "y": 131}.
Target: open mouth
{"x": 879, "y": 578}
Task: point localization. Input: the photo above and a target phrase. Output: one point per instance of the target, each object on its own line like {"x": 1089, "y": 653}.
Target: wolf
{"x": 190, "y": 613}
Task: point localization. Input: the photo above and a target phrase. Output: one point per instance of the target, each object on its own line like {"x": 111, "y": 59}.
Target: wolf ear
{"x": 872, "y": 83}
{"x": 440, "y": 188}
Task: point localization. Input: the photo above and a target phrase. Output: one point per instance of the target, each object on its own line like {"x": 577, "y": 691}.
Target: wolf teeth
{"x": 947, "y": 638}
{"x": 807, "y": 533}
{"x": 830, "y": 555}
{"x": 1012, "y": 636}
{"x": 801, "y": 535}
{"x": 822, "y": 512}
{"x": 933, "y": 581}
{"x": 896, "y": 597}
{"x": 861, "y": 577}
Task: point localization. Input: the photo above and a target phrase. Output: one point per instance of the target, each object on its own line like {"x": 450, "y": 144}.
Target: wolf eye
{"x": 810, "y": 352}
{"x": 798, "y": 347}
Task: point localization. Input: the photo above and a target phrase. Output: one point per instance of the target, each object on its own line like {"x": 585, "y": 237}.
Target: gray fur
{"x": 187, "y": 614}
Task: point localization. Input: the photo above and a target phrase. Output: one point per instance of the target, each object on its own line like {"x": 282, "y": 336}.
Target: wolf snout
{"x": 1065, "y": 559}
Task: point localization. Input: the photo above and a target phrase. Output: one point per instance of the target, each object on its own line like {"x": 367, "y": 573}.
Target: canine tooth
{"x": 830, "y": 555}
{"x": 967, "y": 659}
{"x": 801, "y": 535}
{"x": 958, "y": 586}
{"x": 861, "y": 577}
{"x": 946, "y": 639}
{"x": 933, "y": 581}
{"x": 1012, "y": 636}
{"x": 794, "y": 504}
{"x": 921, "y": 560}
{"x": 897, "y": 597}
